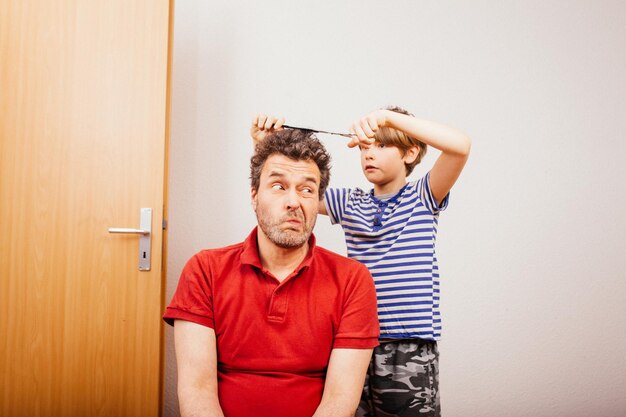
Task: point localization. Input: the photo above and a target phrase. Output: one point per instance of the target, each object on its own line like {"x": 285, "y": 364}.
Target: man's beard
{"x": 284, "y": 238}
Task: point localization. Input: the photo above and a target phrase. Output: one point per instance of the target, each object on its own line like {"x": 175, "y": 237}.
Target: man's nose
{"x": 293, "y": 200}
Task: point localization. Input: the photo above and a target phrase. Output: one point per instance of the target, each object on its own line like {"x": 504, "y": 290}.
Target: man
{"x": 275, "y": 326}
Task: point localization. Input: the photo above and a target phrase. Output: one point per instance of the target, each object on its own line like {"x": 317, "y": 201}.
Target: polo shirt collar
{"x": 250, "y": 252}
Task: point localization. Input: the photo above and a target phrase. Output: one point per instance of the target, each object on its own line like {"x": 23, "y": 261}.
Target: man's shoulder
{"x": 333, "y": 259}
{"x": 218, "y": 254}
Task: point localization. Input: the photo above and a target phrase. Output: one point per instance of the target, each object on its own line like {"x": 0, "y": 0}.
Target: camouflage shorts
{"x": 402, "y": 380}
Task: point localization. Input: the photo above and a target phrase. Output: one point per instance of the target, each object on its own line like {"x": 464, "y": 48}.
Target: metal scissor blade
{"x": 346, "y": 135}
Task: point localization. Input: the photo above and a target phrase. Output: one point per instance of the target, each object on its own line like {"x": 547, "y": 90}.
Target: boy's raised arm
{"x": 453, "y": 144}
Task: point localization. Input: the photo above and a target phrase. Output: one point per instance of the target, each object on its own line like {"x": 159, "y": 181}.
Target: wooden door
{"x": 83, "y": 127}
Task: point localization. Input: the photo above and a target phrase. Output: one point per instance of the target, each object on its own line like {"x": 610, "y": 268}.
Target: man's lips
{"x": 294, "y": 221}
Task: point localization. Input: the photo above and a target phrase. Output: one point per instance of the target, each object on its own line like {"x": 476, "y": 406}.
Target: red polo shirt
{"x": 274, "y": 339}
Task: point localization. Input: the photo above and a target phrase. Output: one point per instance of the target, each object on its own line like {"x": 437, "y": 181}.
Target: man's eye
{"x": 307, "y": 190}
{"x": 277, "y": 187}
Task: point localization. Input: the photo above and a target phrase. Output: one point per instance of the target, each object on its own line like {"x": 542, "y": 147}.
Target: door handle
{"x": 145, "y": 238}
{"x": 128, "y": 231}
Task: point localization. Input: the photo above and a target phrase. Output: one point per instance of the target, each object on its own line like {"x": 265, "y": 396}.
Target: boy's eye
{"x": 381, "y": 145}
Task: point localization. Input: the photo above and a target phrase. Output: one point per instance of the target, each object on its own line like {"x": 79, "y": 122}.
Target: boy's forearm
{"x": 439, "y": 136}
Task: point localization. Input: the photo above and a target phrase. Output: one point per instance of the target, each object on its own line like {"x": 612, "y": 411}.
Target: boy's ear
{"x": 410, "y": 155}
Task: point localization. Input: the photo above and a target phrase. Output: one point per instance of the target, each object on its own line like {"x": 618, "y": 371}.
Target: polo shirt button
{"x": 378, "y": 211}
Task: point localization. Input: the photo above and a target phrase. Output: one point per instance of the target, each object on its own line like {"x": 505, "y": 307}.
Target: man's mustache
{"x": 293, "y": 216}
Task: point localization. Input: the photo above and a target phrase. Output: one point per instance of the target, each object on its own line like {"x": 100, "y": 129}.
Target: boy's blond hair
{"x": 393, "y": 137}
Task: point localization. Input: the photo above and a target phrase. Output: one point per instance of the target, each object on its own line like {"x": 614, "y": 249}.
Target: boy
{"x": 392, "y": 230}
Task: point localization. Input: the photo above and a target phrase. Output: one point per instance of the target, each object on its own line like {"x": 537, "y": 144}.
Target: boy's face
{"x": 384, "y": 163}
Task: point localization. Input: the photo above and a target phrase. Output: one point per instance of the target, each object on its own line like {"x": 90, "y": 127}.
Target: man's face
{"x": 287, "y": 201}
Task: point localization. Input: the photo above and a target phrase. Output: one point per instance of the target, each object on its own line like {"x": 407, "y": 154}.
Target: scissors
{"x": 346, "y": 135}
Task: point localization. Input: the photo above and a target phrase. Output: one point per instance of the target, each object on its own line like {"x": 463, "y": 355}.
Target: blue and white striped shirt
{"x": 395, "y": 239}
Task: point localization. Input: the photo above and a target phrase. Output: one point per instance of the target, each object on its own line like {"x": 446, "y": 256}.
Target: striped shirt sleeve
{"x": 426, "y": 195}
{"x": 335, "y": 201}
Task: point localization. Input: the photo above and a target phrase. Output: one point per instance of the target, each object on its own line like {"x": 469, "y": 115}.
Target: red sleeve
{"x": 193, "y": 299}
{"x": 359, "y": 327}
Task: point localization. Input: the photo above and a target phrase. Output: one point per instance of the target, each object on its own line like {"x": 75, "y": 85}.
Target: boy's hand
{"x": 263, "y": 125}
{"x": 365, "y": 128}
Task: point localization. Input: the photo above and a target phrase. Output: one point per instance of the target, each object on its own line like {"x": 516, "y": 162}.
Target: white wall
{"x": 533, "y": 281}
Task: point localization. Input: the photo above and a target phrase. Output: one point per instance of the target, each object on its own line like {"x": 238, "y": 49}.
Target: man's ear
{"x": 253, "y": 195}
{"x": 410, "y": 155}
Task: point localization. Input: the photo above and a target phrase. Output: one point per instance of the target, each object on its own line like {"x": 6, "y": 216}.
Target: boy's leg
{"x": 405, "y": 379}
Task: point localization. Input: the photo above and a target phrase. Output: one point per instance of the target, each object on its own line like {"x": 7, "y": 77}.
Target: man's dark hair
{"x": 296, "y": 144}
